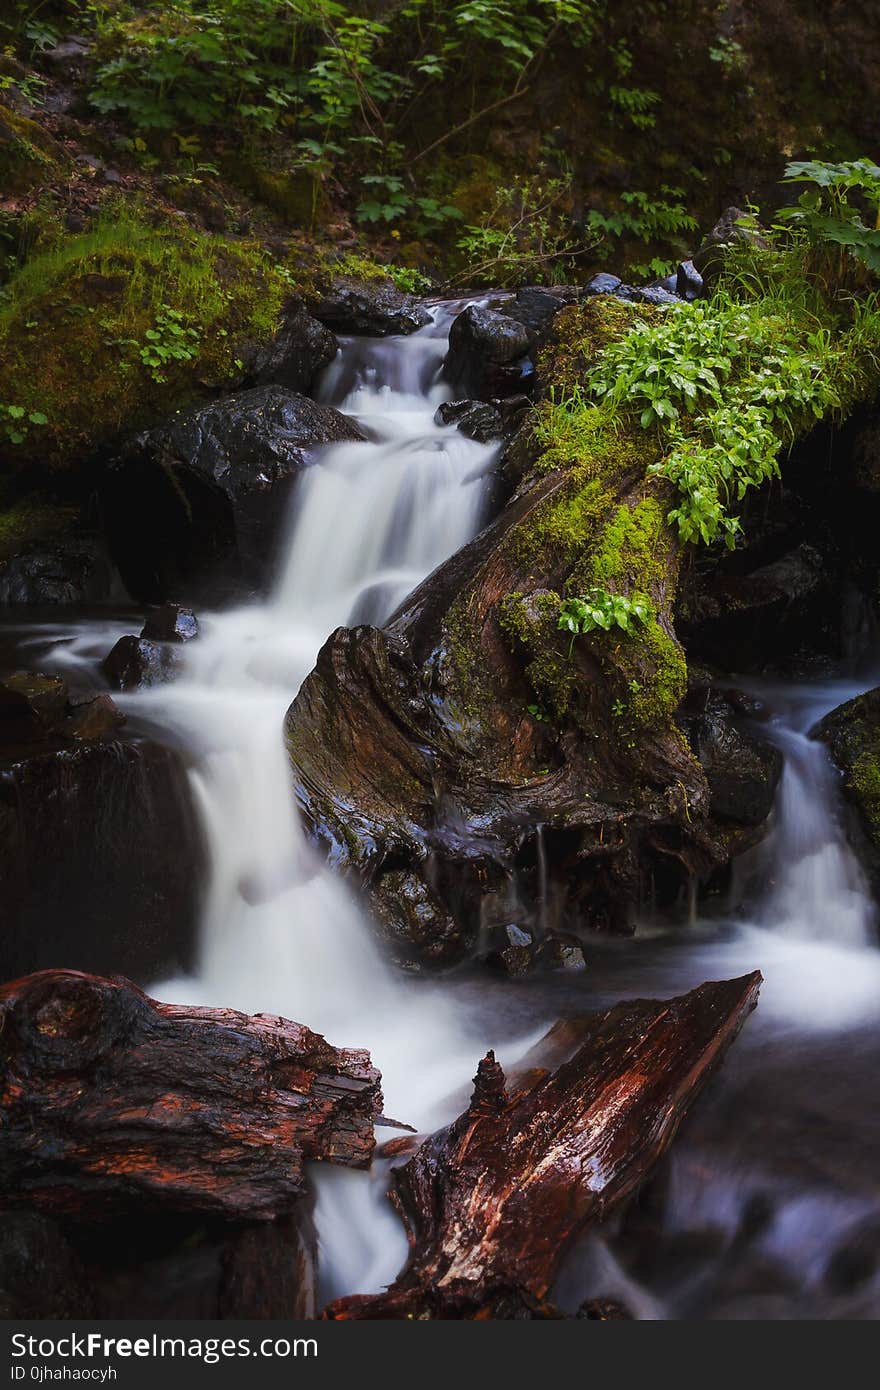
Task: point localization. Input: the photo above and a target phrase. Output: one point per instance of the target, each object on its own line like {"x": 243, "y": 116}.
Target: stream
{"x": 769, "y": 1205}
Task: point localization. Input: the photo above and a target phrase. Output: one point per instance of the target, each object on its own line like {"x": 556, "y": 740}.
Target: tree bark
{"x": 111, "y": 1102}
{"x": 492, "y": 1203}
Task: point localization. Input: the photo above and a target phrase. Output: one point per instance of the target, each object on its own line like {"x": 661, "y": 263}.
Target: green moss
{"x": 864, "y": 781}
{"x": 581, "y": 332}
{"x": 28, "y": 156}
{"x": 79, "y": 311}
{"x": 296, "y": 196}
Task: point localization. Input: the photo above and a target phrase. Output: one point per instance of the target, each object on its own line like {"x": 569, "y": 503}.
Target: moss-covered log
{"x": 431, "y": 750}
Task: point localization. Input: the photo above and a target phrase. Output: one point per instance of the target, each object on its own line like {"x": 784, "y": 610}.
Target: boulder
{"x": 31, "y": 706}
{"x": 603, "y": 283}
{"x": 297, "y": 353}
{"x": 488, "y": 354}
{"x": 171, "y": 623}
{"x": 688, "y": 282}
{"x": 71, "y": 569}
{"x": 101, "y": 857}
{"x": 734, "y": 227}
{"x": 657, "y": 295}
{"x": 208, "y": 491}
{"x": 37, "y": 708}
{"x": 737, "y": 621}
{"x": 480, "y": 420}
{"x": 135, "y": 664}
{"x": 536, "y": 306}
{"x": 742, "y": 770}
{"x": 371, "y": 306}
{"x": 852, "y": 734}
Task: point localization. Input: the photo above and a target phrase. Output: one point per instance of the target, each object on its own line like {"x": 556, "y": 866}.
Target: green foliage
{"x": 15, "y": 421}
{"x": 828, "y": 211}
{"x": 526, "y": 237}
{"x": 729, "y": 384}
{"x": 601, "y": 609}
{"x": 658, "y": 219}
{"x": 171, "y": 339}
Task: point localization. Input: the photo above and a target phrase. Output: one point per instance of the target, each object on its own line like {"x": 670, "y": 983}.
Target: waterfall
{"x": 369, "y": 520}
{"x": 280, "y": 932}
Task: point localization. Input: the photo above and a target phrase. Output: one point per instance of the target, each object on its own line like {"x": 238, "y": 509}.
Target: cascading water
{"x": 280, "y": 932}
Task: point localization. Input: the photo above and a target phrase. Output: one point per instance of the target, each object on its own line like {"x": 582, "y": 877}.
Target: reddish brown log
{"x": 492, "y": 1202}
{"x": 110, "y": 1101}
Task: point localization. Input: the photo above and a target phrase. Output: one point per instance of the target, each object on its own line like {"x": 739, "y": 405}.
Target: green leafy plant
{"x": 599, "y": 609}
{"x": 727, "y": 384}
{"x": 526, "y": 236}
{"x": 829, "y": 213}
{"x": 171, "y": 339}
{"x": 15, "y": 421}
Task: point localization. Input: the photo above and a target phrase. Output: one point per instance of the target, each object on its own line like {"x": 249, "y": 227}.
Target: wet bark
{"x": 492, "y": 1203}
{"x": 112, "y": 1102}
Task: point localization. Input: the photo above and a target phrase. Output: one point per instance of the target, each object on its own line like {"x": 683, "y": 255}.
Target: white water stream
{"x": 280, "y": 932}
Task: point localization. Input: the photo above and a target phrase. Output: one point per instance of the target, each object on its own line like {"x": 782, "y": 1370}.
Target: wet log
{"x": 492, "y": 1203}
{"x": 426, "y": 753}
{"x": 111, "y": 1102}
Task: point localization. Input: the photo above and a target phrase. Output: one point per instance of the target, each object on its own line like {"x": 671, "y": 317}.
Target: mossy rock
{"x": 294, "y": 195}
{"x": 28, "y": 155}
{"x": 582, "y": 331}
{"x": 852, "y": 733}
{"x": 79, "y": 315}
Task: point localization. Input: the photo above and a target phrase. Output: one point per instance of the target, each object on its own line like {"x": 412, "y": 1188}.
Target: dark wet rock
{"x": 646, "y": 294}
{"x": 95, "y": 833}
{"x": 41, "y": 1275}
{"x": 171, "y": 623}
{"x": 535, "y": 306}
{"x": 736, "y": 621}
{"x": 207, "y": 493}
{"x": 560, "y": 951}
{"x": 480, "y": 420}
{"x": 72, "y": 569}
{"x": 298, "y": 352}
{"x": 742, "y": 771}
{"x": 603, "y": 283}
{"x": 375, "y": 307}
{"x": 37, "y": 708}
{"x": 513, "y": 950}
{"x": 72, "y": 49}
{"x": 32, "y": 705}
{"x": 852, "y": 734}
{"x": 734, "y": 227}
{"x": 94, "y": 716}
{"x": 135, "y": 664}
{"x": 488, "y": 354}
{"x": 688, "y": 282}
{"x": 413, "y": 921}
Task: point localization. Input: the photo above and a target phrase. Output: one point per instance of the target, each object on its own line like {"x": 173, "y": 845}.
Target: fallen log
{"x": 492, "y": 1203}
{"x": 110, "y": 1101}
